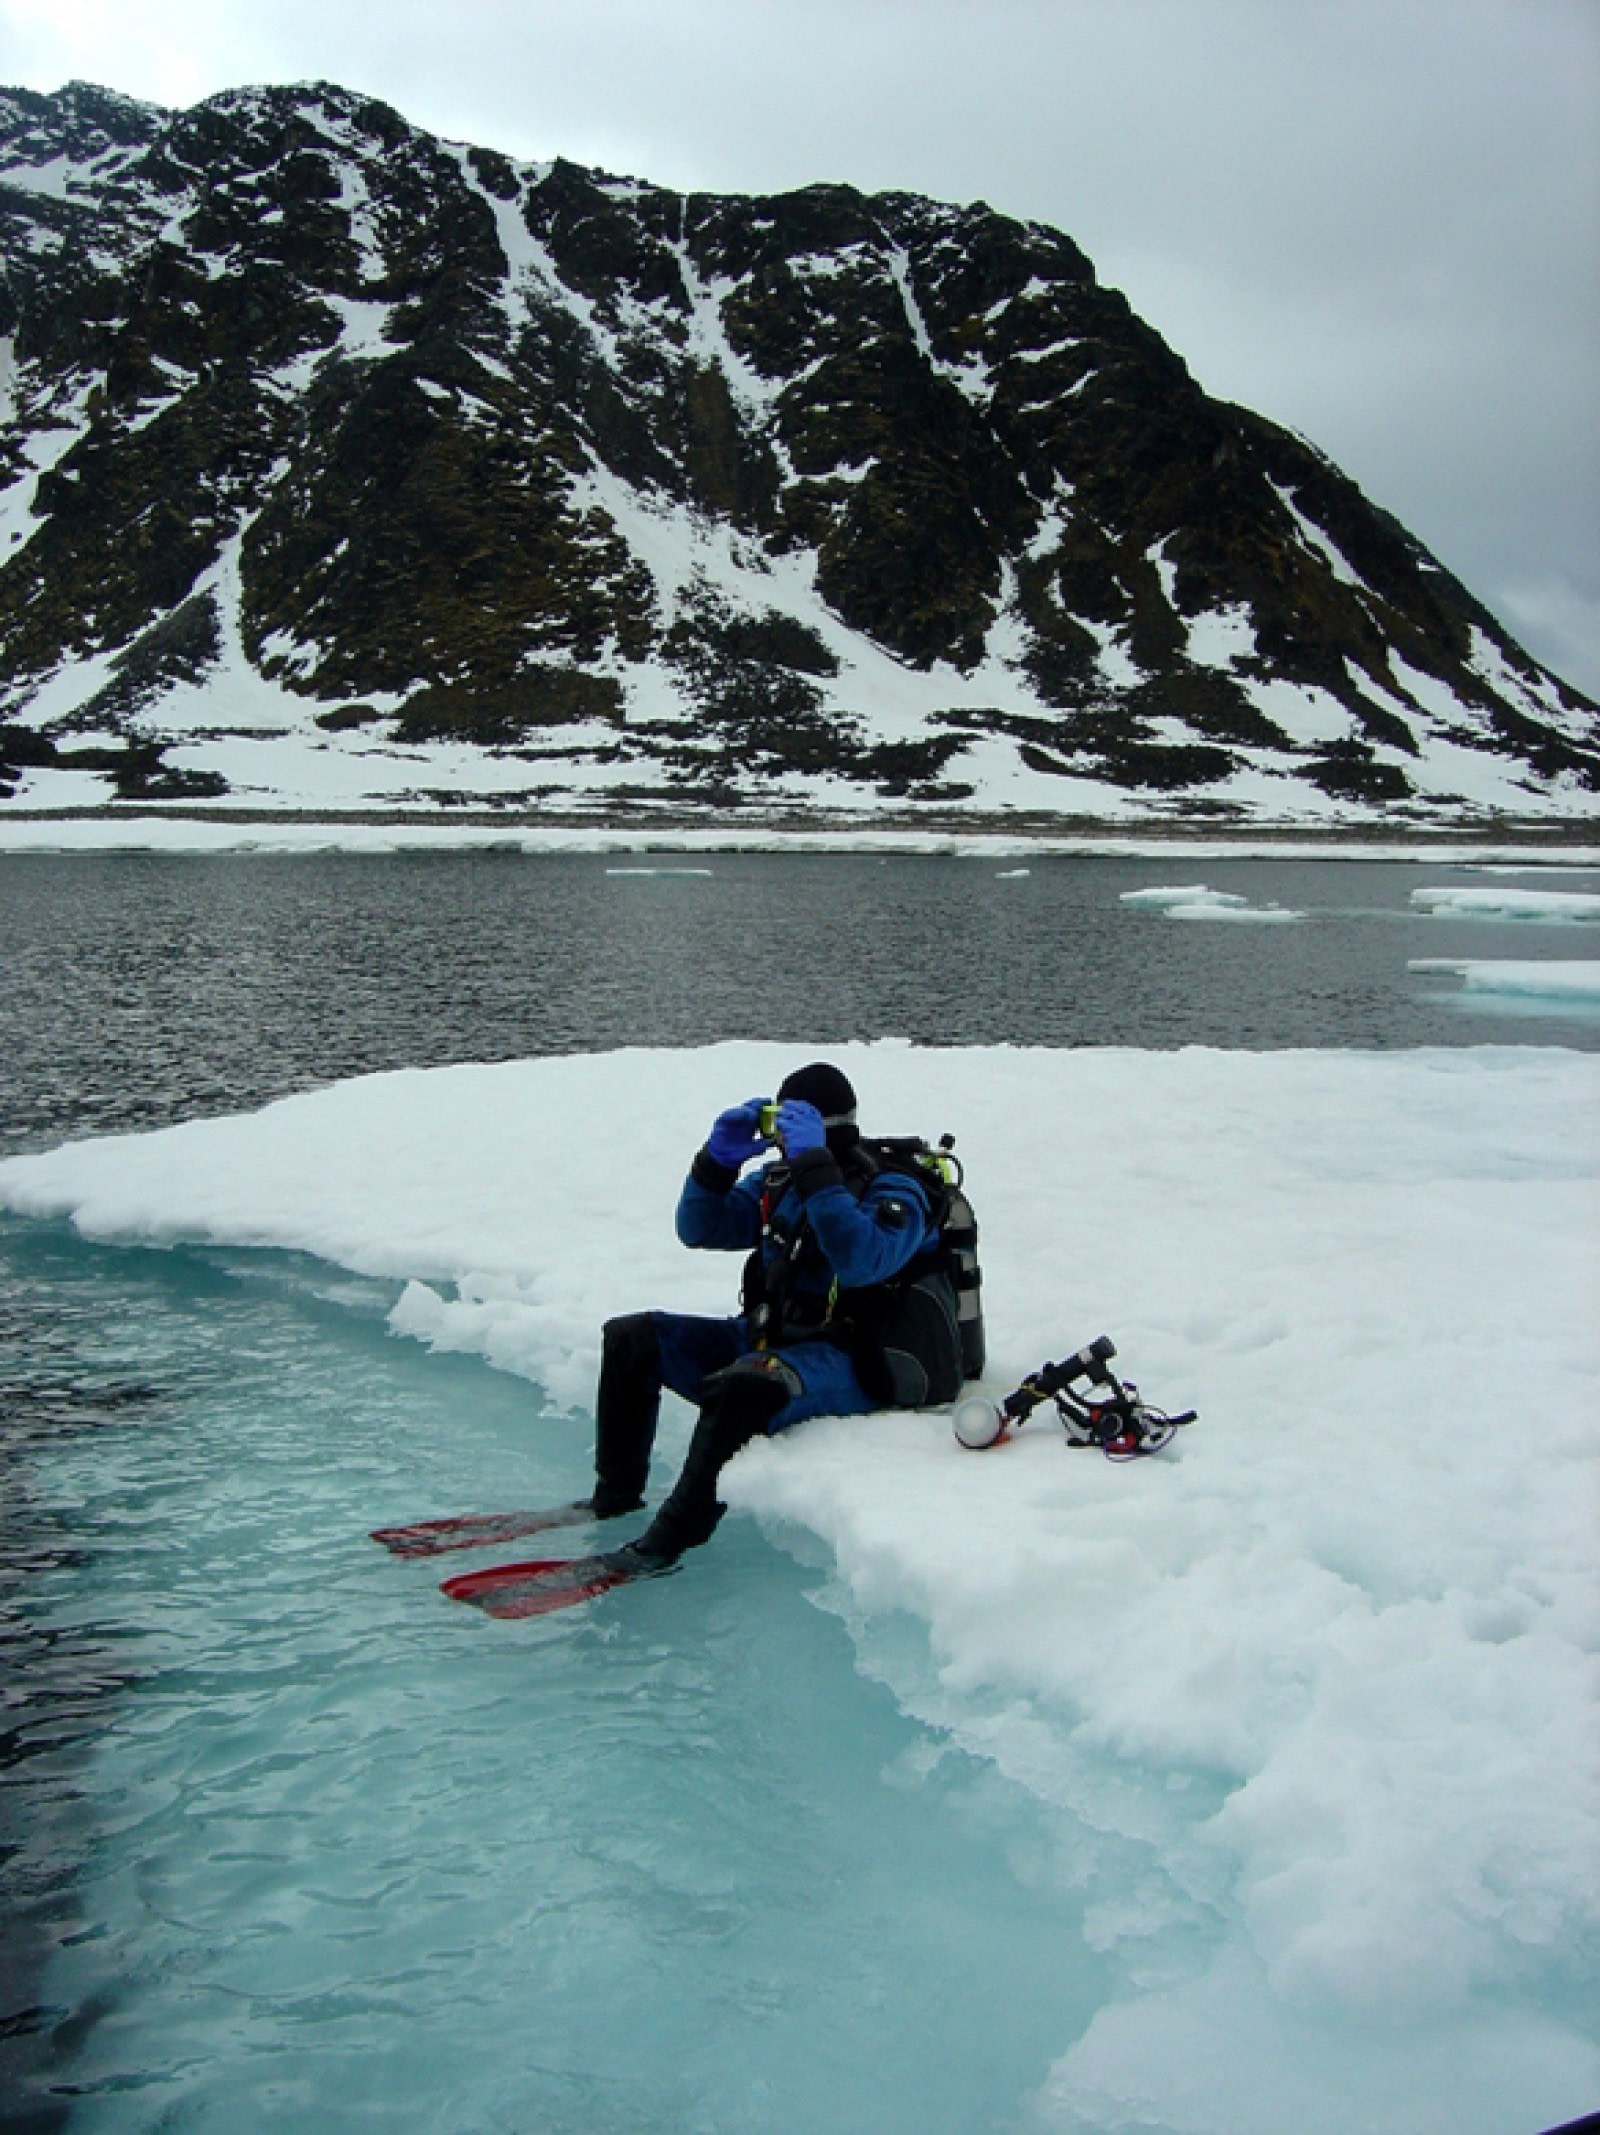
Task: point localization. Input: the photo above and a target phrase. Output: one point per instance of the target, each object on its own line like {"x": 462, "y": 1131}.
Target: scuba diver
{"x": 846, "y": 1305}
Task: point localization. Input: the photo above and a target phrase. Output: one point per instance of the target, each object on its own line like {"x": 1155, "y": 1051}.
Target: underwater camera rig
{"x": 1108, "y": 1412}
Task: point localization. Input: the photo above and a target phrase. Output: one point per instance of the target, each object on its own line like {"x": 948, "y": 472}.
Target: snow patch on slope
{"x": 1222, "y": 637}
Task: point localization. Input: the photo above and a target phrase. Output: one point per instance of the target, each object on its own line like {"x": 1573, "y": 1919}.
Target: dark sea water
{"x": 140, "y": 988}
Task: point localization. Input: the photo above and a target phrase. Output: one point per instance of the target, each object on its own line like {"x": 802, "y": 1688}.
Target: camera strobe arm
{"x": 1091, "y": 1362}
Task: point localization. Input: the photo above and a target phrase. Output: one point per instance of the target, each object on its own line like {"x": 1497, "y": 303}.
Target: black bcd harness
{"x": 914, "y": 1339}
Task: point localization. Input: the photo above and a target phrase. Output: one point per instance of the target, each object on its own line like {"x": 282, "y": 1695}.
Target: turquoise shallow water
{"x": 304, "y": 1845}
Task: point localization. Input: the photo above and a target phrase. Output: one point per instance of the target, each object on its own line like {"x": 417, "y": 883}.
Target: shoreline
{"x": 221, "y": 830}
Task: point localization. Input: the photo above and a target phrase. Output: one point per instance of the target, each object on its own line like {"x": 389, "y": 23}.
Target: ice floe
{"x": 1555, "y": 979}
{"x": 1541, "y": 904}
{"x": 1306, "y": 1698}
{"x": 1195, "y": 901}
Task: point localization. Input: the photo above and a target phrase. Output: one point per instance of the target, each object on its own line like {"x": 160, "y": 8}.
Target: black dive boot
{"x": 740, "y": 1404}
{"x": 627, "y": 1404}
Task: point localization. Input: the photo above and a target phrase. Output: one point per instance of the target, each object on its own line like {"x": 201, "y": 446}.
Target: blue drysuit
{"x": 752, "y": 1374}
{"x": 816, "y": 1236}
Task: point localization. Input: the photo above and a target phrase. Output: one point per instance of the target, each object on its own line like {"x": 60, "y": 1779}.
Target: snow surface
{"x": 1320, "y": 543}
{"x": 1509, "y": 904}
{"x": 176, "y": 832}
{"x": 1306, "y": 1700}
{"x": 1222, "y": 637}
{"x": 1539, "y": 694}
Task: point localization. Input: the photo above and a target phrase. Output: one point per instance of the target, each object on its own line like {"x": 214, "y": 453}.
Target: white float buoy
{"x": 977, "y": 1422}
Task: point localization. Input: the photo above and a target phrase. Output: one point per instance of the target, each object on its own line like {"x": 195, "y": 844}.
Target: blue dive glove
{"x": 736, "y": 1136}
{"x": 800, "y": 1128}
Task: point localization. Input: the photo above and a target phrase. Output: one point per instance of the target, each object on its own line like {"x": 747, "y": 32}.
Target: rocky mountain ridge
{"x": 345, "y": 466}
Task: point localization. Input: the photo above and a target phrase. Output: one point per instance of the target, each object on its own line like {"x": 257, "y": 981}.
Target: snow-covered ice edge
{"x": 195, "y": 834}
{"x": 1307, "y": 1702}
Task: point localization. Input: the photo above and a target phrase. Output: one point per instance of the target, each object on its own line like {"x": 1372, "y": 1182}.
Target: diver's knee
{"x": 752, "y": 1391}
{"x": 630, "y": 1341}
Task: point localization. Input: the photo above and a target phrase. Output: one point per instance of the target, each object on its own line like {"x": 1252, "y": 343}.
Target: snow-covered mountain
{"x": 348, "y": 467}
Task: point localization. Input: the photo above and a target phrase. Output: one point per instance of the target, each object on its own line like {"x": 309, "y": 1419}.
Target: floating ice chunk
{"x": 660, "y": 871}
{"x": 1012, "y": 874}
{"x": 1195, "y": 901}
{"x": 1247, "y": 914}
{"x": 1576, "y": 978}
{"x": 1195, "y": 893}
{"x": 1540, "y": 870}
{"x": 1509, "y": 904}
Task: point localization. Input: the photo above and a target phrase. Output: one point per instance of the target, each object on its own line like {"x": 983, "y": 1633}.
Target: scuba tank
{"x": 942, "y": 1176}
{"x": 958, "y": 1234}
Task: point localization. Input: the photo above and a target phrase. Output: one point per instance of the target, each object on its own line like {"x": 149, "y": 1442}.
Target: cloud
{"x": 1560, "y": 625}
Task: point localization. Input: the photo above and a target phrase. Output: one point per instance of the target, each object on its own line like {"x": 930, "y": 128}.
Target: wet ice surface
{"x": 356, "y": 1857}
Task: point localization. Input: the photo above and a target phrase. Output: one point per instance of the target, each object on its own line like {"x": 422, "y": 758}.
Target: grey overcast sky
{"x": 1375, "y": 220}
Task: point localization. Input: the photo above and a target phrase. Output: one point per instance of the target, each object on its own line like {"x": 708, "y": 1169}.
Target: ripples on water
{"x": 140, "y": 988}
